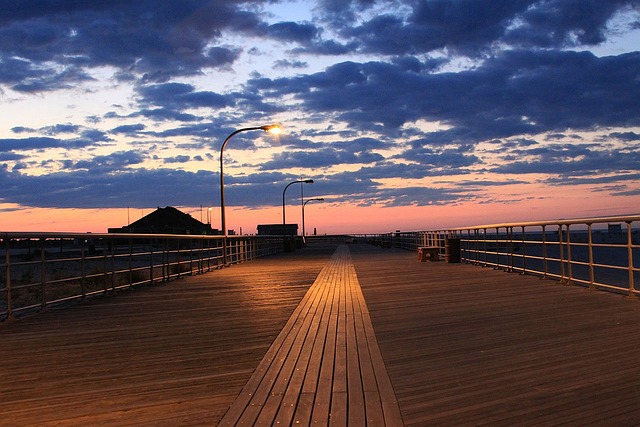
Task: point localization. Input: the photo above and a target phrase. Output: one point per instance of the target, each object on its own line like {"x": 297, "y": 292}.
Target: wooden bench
{"x": 428, "y": 252}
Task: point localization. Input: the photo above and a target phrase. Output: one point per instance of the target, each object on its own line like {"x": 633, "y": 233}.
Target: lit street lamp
{"x": 303, "y": 205}
{"x": 274, "y": 129}
{"x": 302, "y": 181}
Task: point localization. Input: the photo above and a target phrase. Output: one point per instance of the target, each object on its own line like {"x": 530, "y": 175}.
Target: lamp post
{"x": 302, "y": 181}
{"x": 303, "y": 205}
{"x": 275, "y": 129}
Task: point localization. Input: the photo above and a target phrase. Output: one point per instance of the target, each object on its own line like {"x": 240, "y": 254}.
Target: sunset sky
{"x": 408, "y": 114}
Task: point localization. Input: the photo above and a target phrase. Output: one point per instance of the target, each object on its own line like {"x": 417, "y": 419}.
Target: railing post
{"x": 569, "y": 266}
{"x": 7, "y": 256}
{"x": 105, "y": 275}
{"x": 509, "y": 231}
{"x": 150, "y": 261}
{"x": 484, "y": 245}
{"x": 592, "y": 277}
{"x": 497, "y": 266}
{"x": 43, "y": 273}
{"x": 544, "y": 252}
{"x": 524, "y": 252}
{"x": 166, "y": 261}
{"x": 83, "y": 270}
{"x": 630, "y": 260}
{"x": 561, "y": 247}
{"x": 112, "y": 249}
{"x": 130, "y": 262}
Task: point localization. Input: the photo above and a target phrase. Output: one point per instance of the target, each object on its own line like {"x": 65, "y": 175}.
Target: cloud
{"x": 481, "y": 93}
{"x": 129, "y": 129}
{"x": 323, "y": 158}
{"x": 472, "y": 28}
{"x": 514, "y": 93}
{"x": 180, "y": 96}
{"x": 150, "y": 41}
{"x": 570, "y": 159}
{"x": 39, "y": 143}
{"x": 286, "y": 63}
{"x": 118, "y": 161}
{"x": 292, "y": 31}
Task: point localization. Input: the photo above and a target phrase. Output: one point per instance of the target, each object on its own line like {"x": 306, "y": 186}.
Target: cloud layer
{"x": 389, "y": 102}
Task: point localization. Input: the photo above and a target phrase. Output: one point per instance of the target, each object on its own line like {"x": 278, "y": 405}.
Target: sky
{"x": 407, "y": 114}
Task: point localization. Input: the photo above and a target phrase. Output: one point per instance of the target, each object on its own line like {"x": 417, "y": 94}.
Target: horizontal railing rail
{"x": 601, "y": 253}
{"x": 38, "y": 270}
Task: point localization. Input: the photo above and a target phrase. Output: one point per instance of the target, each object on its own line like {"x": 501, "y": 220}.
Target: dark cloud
{"x": 514, "y": 93}
{"x": 177, "y": 159}
{"x": 625, "y": 136}
{"x": 155, "y": 42}
{"x": 406, "y": 89}
{"x": 129, "y": 129}
{"x": 570, "y": 159}
{"x": 118, "y": 161}
{"x": 292, "y": 31}
{"x": 286, "y": 63}
{"x": 474, "y": 27}
{"x": 324, "y": 158}
{"x": 41, "y": 143}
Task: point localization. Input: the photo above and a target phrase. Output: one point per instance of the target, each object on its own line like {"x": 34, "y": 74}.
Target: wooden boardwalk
{"x": 466, "y": 345}
{"x": 325, "y": 366}
{"x": 462, "y": 345}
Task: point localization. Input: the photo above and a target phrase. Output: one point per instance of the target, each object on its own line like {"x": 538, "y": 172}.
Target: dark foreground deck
{"x": 459, "y": 345}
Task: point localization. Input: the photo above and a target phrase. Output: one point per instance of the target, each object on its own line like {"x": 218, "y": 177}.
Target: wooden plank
{"x": 170, "y": 354}
{"x": 466, "y": 345}
{"x": 315, "y": 376}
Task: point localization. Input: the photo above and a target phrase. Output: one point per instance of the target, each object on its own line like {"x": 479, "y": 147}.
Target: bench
{"x": 428, "y": 252}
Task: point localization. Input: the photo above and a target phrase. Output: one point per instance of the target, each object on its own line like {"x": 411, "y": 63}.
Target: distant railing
{"x": 592, "y": 252}
{"x": 38, "y": 270}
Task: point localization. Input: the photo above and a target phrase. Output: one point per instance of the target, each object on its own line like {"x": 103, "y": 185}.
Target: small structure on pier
{"x": 278, "y": 229}
{"x": 167, "y": 220}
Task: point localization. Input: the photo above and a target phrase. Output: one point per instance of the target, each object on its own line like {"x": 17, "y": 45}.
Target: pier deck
{"x": 461, "y": 345}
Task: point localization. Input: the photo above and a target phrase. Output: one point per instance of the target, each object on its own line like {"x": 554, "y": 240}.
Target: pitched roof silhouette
{"x": 167, "y": 220}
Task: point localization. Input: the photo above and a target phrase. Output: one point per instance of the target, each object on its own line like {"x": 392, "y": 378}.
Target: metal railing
{"x": 39, "y": 270}
{"x": 601, "y": 253}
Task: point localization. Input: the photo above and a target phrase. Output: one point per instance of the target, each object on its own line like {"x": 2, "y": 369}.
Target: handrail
{"x": 585, "y": 221}
{"x": 39, "y": 270}
{"x": 568, "y": 250}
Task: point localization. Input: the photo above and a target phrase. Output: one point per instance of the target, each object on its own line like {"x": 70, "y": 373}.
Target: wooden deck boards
{"x": 463, "y": 345}
{"x": 173, "y": 354}
{"x": 466, "y": 345}
{"x": 325, "y": 366}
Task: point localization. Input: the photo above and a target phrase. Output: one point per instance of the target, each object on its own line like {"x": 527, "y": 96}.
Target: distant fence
{"x": 599, "y": 253}
{"x": 38, "y": 270}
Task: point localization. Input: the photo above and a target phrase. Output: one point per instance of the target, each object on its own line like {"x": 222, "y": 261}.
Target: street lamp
{"x": 303, "y": 181}
{"x": 274, "y": 129}
{"x": 303, "y": 205}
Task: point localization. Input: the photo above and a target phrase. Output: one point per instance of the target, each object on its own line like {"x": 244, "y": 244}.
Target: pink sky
{"x": 330, "y": 218}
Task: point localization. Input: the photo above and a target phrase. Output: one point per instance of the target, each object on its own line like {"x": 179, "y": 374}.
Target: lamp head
{"x": 273, "y": 129}
{"x": 308, "y": 181}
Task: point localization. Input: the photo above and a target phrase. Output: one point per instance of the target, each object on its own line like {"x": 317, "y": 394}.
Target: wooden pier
{"x": 291, "y": 338}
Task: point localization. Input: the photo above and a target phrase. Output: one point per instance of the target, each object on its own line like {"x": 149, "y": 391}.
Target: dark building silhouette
{"x": 278, "y": 229}
{"x": 167, "y": 220}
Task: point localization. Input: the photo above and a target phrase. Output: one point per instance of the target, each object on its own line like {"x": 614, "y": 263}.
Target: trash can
{"x": 289, "y": 244}
{"x": 452, "y": 250}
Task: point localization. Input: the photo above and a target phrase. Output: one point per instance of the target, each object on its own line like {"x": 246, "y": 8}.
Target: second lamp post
{"x": 301, "y": 181}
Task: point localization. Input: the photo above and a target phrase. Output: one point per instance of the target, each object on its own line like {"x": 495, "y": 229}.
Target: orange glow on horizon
{"x": 326, "y": 218}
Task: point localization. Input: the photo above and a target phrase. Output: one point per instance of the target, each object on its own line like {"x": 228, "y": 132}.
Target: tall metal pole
{"x": 302, "y": 181}
{"x": 222, "y": 206}
{"x": 303, "y": 205}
